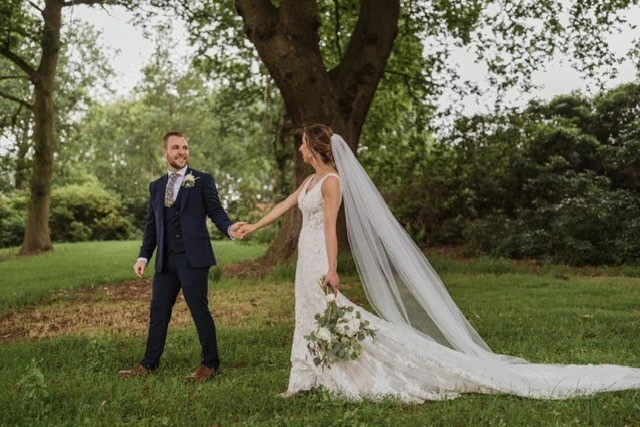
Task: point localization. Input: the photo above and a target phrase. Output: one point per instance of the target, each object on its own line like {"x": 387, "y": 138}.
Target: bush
{"x": 12, "y": 220}
{"x": 596, "y": 225}
{"x": 88, "y": 212}
{"x": 137, "y": 207}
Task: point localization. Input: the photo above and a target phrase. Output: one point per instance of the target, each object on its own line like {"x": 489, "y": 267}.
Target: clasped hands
{"x": 241, "y": 229}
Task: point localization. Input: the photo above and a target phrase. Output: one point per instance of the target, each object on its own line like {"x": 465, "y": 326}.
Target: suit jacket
{"x": 196, "y": 204}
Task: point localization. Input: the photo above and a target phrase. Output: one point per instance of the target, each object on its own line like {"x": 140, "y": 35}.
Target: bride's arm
{"x": 331, "y": 195}
{"x": 275, "y": 213}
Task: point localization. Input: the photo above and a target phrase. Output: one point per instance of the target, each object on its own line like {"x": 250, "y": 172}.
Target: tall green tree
{"x": 25, "y": 26}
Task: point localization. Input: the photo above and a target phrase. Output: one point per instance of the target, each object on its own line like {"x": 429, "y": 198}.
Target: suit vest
{"x": 172, "y": 229}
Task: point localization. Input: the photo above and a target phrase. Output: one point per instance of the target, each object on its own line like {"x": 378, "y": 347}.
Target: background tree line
{"x": 372, "y": 70}
{"x": 557, "y": 180}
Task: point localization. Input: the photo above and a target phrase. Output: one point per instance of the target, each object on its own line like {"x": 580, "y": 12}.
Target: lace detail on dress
{"x": 311, "y": 204}
{"x": 403, "y": 363}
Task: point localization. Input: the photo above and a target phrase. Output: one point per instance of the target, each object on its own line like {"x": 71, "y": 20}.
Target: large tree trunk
{"x": 22, "y": 163}
{"x": 282, "y": 155}
{"x": 37, "y": 237}
{"x": 287, "y": 41}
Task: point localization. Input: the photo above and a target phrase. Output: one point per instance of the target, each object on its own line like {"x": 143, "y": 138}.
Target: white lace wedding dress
{"x": 403, "y": 363}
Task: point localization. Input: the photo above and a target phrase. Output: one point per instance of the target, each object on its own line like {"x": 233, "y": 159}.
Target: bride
{"x": 424, "y": 348}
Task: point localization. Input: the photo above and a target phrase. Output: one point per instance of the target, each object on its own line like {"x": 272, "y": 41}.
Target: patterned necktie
{"x": 168, "y": 193}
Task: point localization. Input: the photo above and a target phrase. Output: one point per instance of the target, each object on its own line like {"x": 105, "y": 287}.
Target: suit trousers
{"x": 178, "y": 273}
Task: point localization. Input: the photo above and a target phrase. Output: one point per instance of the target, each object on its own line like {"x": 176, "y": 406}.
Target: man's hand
{"x": 139, "y": 267}
{"x": 246, "y": 229}
{"x": 233, "y": 231}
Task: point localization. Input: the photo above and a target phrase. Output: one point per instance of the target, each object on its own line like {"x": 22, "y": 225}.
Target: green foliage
{"x": 78, "y": 213}
{"x": 83, "y": 71}
{"x": 33, "y": 384}
{"x": 88, "y": 212}
{"x": 12, "y": 220}
{"x": 229, "y": 136}
{"x": 556, "y": 181}
{"x": 512, "y": 41}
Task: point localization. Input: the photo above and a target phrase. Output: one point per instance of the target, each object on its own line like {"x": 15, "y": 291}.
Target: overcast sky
{"x": 133, "y": 51}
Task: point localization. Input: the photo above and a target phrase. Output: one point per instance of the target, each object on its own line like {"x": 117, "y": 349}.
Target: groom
{"x": 180, "y": 202}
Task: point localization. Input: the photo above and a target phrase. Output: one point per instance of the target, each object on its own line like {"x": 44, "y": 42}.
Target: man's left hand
{"x": 233, "y": 231}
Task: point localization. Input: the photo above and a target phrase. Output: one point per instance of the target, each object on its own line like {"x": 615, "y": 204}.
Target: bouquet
{"x": 339, "y": 333}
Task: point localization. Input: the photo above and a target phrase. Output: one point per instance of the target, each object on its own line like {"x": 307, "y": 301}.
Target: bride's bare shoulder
{"x": 331, "y": 184}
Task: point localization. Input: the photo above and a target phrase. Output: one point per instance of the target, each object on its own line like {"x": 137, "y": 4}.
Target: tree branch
{"x": 129, "y": 5}
{"x": 301, "y": 22}
{"x": 35, "y": 6}
{"x": 14, "y": 118}
{"x": 357, "y": 76}
{"x": 14, "y": 77}
{"x": 16, "y": 99}
{"x": 24, "y": 66}
{"x": 373, "y": 35}
{"x": 256, "y": 9}
{"x": 87, "y": 2}
{"x": 406, "y": 76}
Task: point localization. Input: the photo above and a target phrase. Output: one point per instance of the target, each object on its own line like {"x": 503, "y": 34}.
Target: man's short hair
{"x": 165, "y": 138}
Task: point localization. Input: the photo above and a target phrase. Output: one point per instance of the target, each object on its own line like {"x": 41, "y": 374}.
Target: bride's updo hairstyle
{"x": 319, "y": 142}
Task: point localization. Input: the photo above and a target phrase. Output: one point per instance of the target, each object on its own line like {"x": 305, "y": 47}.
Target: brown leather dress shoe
{"x": 137, "y": 370}
{"x": 203, "y": 373}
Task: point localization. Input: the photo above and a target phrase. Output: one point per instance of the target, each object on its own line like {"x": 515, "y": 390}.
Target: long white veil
{"x": 399, "y": 281}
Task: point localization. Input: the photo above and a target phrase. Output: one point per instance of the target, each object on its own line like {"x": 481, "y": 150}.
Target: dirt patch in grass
{"x": 451, "y": 251}
{"x": 250, "y": 268}
{"x": 123, "y": 309}
{"x": 114, "y": 308}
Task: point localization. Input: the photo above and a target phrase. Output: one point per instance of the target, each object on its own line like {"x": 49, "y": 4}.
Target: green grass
{"x": 27, "y": 280}
{"x": 485, "y": 265}
{"x": 558, "y": 315}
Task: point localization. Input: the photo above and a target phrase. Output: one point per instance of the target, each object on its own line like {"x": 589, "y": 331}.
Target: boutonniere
{"x": 189, "y": 181}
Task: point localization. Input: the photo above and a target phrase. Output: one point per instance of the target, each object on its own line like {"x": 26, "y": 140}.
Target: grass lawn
{"x": 548, "y": 314}
{"x": 27, "y": 280}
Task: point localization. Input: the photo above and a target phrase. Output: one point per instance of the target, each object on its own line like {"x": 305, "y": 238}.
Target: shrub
{"x": 595, "y": 226}
{"x": 88, "y": 212}
{"x": 12, "y": 220}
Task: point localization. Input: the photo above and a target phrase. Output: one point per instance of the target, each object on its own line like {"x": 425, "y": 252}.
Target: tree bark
{"x": 37, "y": 237}
{"x": 286, "y": 39}
{"x": 22, "y": 163}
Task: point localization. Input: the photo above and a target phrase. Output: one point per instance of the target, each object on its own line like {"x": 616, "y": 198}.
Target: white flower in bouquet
{"x": 323, "y": 334}
{"x": 351, "y": 327}
{"x": 330, "y": 297}
{"x": 348, "y": 315}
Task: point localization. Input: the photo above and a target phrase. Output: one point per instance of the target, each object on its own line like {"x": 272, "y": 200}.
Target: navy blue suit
{"x": 183, "y": 258}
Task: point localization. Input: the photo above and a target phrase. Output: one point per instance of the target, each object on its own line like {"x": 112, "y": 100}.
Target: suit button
{"x": 177, "y": 235}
